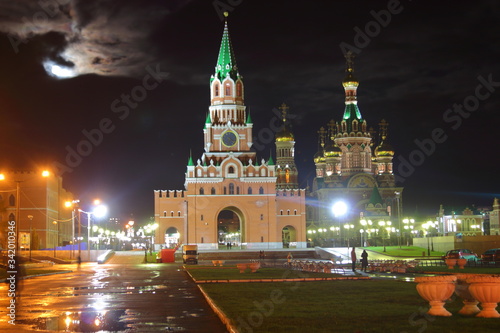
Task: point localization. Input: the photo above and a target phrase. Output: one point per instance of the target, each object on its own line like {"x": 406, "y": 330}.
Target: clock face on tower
{"x": 229, "y": 139}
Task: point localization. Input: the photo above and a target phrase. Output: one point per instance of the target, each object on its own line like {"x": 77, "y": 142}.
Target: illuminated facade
{"x": 354, "y": 165}
{"x": 466, "y": 222}
{"x": 231, "y": 196}
{"x": 495, "y": 218}
{"x": 41, "y": 203}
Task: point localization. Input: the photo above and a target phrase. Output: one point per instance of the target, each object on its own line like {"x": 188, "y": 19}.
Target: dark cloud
{"x": 101, "y": 37}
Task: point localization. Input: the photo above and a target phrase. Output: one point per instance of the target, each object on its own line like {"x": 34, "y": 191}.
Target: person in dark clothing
{"x": 353, "y": 259}
{"x": 364, "y": 261}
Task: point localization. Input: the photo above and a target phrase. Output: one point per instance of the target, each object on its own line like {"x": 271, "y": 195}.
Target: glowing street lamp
{"x": 339, "y": 209}
{"x": 98, "y": 211}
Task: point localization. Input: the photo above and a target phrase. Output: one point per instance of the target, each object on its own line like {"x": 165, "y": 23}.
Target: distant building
{"x": 354, "y": 165}
{"x": 494, "y": 217}
{"x": 232, "y": 197}
{"x": 41, "y": 204}
{"x": 466, "y": 222}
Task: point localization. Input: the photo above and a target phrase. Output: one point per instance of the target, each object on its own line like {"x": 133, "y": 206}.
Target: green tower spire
{"x": 226, "y": 63}
{"x": 190, "y": 161}
{"x": 249, "y": 119}
{"x": 270, "y": 161}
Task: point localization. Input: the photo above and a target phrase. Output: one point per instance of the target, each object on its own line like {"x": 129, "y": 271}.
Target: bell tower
{"x": 352, "y": 136}
{"x": 227, "y": 127}
{"x": 287, "y": 174}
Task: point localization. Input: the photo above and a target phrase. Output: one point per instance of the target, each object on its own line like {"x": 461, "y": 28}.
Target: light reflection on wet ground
{"x": 112, "y": 298}
{"x": 400, "y": 277}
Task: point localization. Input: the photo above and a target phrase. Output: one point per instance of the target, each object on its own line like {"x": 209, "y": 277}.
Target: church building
{"x": 232, "y": 197}
{"x": 354, "y": 171}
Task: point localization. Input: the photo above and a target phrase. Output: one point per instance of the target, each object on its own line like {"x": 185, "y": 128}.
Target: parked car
{"x": 491, "y": 256}
{"x": 461, "y": 254}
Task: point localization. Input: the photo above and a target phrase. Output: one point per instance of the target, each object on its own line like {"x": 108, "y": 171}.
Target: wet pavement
{"x": 111, "y": 297}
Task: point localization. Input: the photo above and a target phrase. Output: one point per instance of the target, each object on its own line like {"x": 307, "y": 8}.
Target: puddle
{"x": 83, "y": 321}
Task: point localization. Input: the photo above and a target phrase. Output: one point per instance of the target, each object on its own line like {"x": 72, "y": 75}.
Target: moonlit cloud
{"x": 104, "y": 37}
{"x": 58, "y": 71}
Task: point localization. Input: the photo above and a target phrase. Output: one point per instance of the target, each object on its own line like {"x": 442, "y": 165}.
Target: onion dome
{"x": 285, "y": 134}
{"x": 384, "y": 148}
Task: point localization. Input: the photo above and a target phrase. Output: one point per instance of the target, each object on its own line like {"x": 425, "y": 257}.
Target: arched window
{"x": 261, "y": 217}
{"x": 294, "y": 212}
{"x": 164, "y": 213}
{"x": 216, "y": 89}
{"x": 12, "y": 200}
{"x": 179, "y": 213}
{"x": 225, "y": 190}
{"x": 261, "y": 190}
{"x": 230, "y": 169}
{"x": 231, "y": 188}
{"x": 239, "y": 90}
{"x": 212, "y": 191}
{"x": 228, "y": 89}
{"x": 288, "y": 212}
{"x": 11, "y": 217}
{"x": 202, "y": 191}
{"x": 249, "y": 190}
{"x": 281, "y": 212}
{"x": 172, "y": 213}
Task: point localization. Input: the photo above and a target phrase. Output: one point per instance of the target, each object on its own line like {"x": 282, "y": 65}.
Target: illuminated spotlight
{"x": 58, "y": 71}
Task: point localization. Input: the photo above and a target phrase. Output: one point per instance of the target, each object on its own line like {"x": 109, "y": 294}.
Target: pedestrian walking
{"x": 289, "y": 257}
{"x": 353, "y": 259}
{"x": 364, "y": 260}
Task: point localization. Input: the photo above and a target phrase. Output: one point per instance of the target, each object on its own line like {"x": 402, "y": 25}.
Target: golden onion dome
{"x": 333, "y": 151}
{"x": 350, "y": 81}
{"x": 384, "y": 149}
{"x": 285, "y": 135}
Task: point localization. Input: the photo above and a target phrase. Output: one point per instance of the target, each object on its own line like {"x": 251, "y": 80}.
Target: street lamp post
{"x": 98, "y": 211}
{"x": 57, "y": 237}
{"x": 348, "y": 227}
{"x": 31, "y": 240}
{"x": 398, "y": 197}
{"x": 382, "y": 225}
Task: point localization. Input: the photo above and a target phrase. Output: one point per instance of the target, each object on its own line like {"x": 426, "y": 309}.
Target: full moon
{"x": 58, "y": 71}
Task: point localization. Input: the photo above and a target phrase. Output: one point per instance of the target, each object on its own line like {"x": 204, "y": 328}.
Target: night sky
{"x": 139, "y": 93}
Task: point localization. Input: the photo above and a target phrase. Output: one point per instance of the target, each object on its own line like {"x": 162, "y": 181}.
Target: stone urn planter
{"x": 461, "y": 263}
{"x": 254, "y": 266}
{"x": 486, "y": 289}
{"x": 451, "y": 263}
{"x": 436, "y": 290}
{"x": 462, "y": 290}
{"x": 242, "y": 267}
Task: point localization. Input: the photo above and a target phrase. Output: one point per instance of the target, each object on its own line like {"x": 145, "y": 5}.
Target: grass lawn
{"x": 405, "y": 251}
{"x": 232, "y": 273}
{"x": 338, "y": 306}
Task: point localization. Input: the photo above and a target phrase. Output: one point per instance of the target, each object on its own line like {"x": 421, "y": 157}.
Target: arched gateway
{"x": 230, "y": 228}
